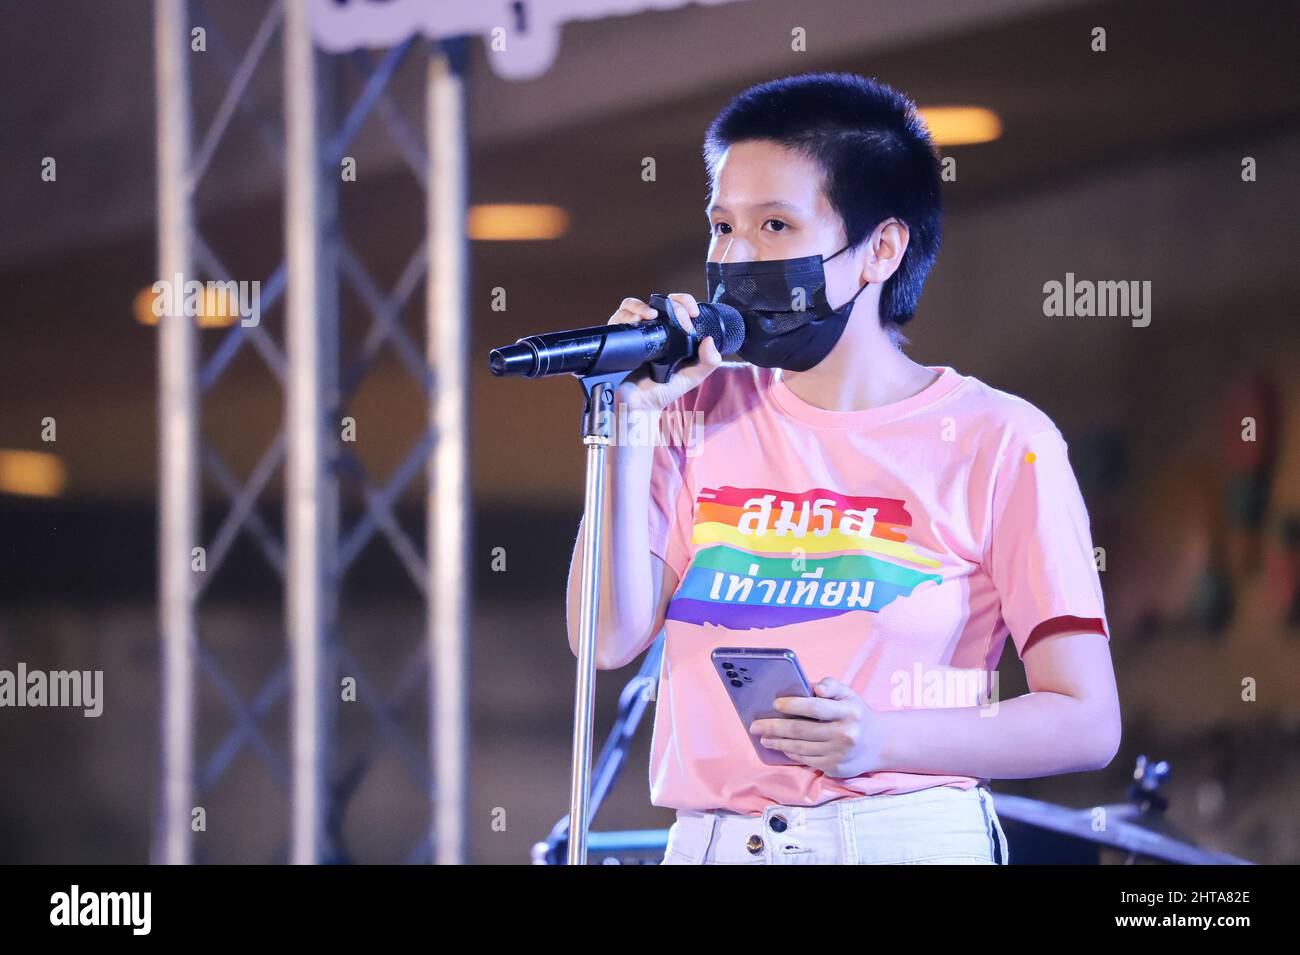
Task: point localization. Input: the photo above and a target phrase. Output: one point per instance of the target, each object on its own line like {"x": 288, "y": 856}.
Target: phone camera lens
{"x": 736, "y": 683}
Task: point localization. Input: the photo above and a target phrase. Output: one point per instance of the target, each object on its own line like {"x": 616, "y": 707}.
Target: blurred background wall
{"x": 1117, "y": 165}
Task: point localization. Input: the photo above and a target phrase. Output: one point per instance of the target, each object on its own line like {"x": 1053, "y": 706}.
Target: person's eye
{"x": 719, "y": 228}
{"x": 778, "y": 225}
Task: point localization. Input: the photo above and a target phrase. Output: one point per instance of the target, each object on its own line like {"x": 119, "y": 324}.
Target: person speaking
{"x": 839, "y": 540}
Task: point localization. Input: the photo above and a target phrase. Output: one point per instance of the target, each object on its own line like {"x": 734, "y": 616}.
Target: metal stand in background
{"x": 447, "y": 503}
{"x": 318, "y": 381}
{"x": 312, "y": 401}
{"x": 178, "y": 442}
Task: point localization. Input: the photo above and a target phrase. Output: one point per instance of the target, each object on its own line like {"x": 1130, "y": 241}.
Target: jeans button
{"x": 755, "y": 844}
{"x": 777, "y": 823}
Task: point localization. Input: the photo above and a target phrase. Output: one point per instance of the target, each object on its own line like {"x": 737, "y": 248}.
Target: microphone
{"x": 602, "y": 349}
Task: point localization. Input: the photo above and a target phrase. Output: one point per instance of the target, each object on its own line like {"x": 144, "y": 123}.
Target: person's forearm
{"x": 626, "y": 605}
{"x": 1038, "y": 734}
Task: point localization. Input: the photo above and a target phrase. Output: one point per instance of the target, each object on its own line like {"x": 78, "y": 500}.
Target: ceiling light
{"x": 31, "y": 474}
{"x": 961, "y": 125}
{"x": 496, "y": 222}
{"x": 217, "y": 308}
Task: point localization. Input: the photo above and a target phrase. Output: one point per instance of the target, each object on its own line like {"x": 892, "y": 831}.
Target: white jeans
{"x": 939, "y": 825}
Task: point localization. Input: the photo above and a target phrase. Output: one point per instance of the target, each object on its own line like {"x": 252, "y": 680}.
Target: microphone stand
{"x": 637, "y": 696}
{"x": 597, "y": 416}
{"x": 596, "y": 428}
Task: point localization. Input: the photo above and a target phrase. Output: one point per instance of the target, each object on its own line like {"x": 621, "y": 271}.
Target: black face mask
{"x": 777, "y": 333}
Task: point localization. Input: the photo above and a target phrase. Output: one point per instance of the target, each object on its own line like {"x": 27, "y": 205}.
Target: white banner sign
{"x": 522, "y": 36}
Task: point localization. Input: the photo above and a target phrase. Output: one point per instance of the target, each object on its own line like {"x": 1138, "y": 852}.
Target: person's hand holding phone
{"x": 848, "y": 740}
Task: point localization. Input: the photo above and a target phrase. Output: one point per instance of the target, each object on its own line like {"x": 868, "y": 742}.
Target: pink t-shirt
{"x": 891, "y": 548}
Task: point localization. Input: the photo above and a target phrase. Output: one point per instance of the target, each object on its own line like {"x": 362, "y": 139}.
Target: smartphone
{"x": 754, "y": 677}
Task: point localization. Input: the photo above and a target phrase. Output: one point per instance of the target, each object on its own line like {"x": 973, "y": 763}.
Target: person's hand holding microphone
{"x": 640, "y": 392}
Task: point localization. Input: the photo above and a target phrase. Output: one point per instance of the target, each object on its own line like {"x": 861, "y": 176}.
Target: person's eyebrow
{"x": 769, "y": 204}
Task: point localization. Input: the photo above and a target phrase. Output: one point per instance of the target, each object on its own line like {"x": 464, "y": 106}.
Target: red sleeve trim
{"x": 1065, "y": 624}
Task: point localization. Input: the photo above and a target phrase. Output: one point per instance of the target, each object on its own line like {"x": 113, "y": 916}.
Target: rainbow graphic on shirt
{"x": 769, "y": 558}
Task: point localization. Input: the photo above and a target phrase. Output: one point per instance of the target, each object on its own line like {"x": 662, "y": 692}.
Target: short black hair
{"x": 875, "y": 154}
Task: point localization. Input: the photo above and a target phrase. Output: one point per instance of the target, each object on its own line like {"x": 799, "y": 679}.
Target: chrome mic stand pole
{"x": 609, "y": 363}
{"x": 596, "y": 428}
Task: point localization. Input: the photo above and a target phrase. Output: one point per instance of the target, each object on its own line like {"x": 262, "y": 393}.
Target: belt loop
{"x": 999, "y": 855}
{"x": 707, "y": 841}
{"x": 848, "y": 832}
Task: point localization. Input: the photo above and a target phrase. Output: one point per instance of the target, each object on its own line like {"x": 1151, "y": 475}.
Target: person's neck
{"x": 866, "y": 375}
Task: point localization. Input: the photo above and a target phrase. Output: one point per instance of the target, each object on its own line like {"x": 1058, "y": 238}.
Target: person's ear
{"x": 885, "y": 251}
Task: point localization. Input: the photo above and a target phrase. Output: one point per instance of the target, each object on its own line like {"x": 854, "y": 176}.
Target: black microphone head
{"x": 724, "y": 323}
{"x": 516, "y": 359}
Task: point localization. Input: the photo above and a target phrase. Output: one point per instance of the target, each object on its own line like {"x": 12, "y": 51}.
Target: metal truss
{"x": 315, "y": 557}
